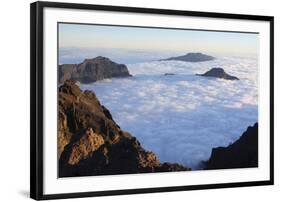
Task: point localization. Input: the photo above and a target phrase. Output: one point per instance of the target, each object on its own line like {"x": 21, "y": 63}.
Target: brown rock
{"x": 83, "y": 148}
{"x": 91, "y": 143}
{"x": 91, "y": 70}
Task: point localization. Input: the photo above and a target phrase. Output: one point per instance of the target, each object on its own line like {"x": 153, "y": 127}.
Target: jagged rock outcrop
{"x": 218, "y": 73}
{"x": 192, "y": 57}
{"x": 241, "y": 154}
{"x": 91, "y": 143}
{"x": 91, "y": 70}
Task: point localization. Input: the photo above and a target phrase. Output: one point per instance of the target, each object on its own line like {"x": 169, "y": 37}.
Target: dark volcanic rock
{"x": 91, "y": 70}
{"x": 169, "y": 74}
{"x": 192, "y": 57}
{"x": 241, "y": 154}
{"x": 218, "y": 73}
{"x": 91, "y": 143}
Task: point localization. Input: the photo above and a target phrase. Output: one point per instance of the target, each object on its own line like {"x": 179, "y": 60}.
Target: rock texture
{"x": 241, "y": 154}
{"x": 192, "y": 57}
{"x": 91, "y": 143}
{"x": 218, "y": 73}
{"x": 91, "y": 70}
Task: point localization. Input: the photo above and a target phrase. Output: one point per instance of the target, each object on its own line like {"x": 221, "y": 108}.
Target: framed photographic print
{"x": 131, "y": 100}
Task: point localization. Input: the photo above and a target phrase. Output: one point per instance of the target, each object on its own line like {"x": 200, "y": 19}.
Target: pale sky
{"x": 155, "y": 39}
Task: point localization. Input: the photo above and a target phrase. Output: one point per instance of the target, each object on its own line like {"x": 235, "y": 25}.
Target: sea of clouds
{"x": 182, "y": 117}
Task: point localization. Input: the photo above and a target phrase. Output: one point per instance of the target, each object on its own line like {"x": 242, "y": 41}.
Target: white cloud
{"x": 183, "y": 116}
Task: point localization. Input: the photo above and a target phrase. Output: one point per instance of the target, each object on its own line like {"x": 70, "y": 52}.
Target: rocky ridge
{"x": 91, "y": 143}
{"x": 243, "y": 153}
{"x": 91, "y": 70}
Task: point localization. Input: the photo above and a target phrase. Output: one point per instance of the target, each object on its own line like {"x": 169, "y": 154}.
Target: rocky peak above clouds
{"x": 91, "y": 70}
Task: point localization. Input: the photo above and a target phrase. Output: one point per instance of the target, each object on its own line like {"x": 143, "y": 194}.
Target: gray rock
{"x": 91, "y": 70}
{"x": 218, "y": 73}
{"x": 169, "y": 74}
{"x": 191, "y": 57}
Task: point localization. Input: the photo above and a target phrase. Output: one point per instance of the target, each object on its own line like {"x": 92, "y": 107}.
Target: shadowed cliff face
{"x": 91, "y": 143}
{"x": 241, "y": 154}
{"x": 91, "y": 70}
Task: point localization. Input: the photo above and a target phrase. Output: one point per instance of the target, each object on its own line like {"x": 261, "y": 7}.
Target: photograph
{"x": 139, "y": 100}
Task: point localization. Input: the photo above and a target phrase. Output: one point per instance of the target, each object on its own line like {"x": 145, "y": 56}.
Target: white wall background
{"x": 14, "y": 100}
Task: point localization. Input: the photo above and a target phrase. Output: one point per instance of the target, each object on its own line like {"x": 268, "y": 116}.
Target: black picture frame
{"x": 36, "y": 99}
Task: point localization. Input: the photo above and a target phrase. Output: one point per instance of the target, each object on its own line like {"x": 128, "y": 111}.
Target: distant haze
{"x": 155, "y": 39}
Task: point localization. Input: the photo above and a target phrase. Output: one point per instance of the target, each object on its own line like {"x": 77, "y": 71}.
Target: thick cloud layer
{"x": 182, "y": 117}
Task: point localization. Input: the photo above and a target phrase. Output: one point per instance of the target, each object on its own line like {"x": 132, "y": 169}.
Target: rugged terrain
{"x": 241, "y": 154}
{"x": 91, "y": 143}
{"x": 91, "y": 70}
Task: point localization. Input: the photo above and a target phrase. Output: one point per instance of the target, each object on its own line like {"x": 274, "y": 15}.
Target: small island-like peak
{"x": 191, "y": 57}
{"x": 218, "y": 73}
